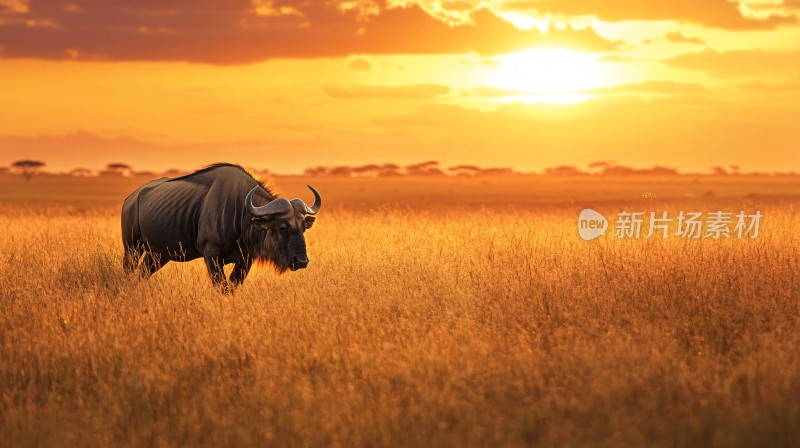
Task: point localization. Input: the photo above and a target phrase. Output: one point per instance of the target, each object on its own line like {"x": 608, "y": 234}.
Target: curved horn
{"x": 317, "y": 202}
{"x": 275, "y": 207}
{"x": 301, "y": 206}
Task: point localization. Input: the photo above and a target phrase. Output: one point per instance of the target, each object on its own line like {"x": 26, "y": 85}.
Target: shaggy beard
{"x": 264, "y": 250}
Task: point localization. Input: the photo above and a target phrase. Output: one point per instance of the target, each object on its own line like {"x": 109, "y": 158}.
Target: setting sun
{"x": 550, "y": 75}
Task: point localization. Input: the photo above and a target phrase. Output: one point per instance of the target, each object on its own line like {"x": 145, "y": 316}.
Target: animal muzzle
{"x": 297, "y": 249}
{"x": 299, "y": 263}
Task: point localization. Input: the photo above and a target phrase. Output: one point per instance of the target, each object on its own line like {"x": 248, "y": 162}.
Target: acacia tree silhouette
{"x": 120, "y": 169}
{"x": 27, "y": 167}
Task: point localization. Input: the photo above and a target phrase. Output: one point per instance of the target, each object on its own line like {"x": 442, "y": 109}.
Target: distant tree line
{"x": 429, "y": 168}
{"x": 604, "y": 168}
{"x": 28, "y": 168}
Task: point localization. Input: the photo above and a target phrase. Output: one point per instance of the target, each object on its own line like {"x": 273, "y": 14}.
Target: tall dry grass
{"x": 413, "y": 326}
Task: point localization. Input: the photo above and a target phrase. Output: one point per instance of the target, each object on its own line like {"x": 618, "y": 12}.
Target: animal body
{"x": 220, "y": 213}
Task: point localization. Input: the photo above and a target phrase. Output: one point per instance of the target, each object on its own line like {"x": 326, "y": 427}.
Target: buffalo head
{"x": 285, "y": 222}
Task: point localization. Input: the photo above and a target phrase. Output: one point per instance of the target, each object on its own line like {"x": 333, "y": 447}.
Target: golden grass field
{"x": 435, "y": 312}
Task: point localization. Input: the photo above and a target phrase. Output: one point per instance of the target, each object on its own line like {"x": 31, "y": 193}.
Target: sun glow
{"x": 547, "y": 74}
{"x": 563, "y": 98}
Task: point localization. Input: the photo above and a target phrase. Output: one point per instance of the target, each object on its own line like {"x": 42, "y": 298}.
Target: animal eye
{"x": 283, "y": 229}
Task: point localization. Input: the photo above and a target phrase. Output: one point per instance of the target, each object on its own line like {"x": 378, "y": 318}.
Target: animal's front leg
{"x": 240, "y": 270}
{"x": 216, "y": 269}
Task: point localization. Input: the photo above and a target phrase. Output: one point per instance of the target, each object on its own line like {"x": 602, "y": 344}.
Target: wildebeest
{"x": 213, "y": 213}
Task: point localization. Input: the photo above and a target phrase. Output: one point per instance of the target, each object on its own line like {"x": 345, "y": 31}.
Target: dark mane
{"x": 261, "y": 181}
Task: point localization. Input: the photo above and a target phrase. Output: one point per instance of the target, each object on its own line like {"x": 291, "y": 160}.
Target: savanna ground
{"x": 445, "y": 312}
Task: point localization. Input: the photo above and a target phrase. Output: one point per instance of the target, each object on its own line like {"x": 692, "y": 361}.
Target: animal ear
{"x": 310, "y": 221}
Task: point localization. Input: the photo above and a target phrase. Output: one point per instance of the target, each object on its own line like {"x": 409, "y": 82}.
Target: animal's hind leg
{"x": 152, "y": 263}
{"x": 133, "y": 253}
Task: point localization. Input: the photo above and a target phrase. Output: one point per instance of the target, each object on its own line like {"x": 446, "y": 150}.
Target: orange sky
{"x": 286, "y": 85}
